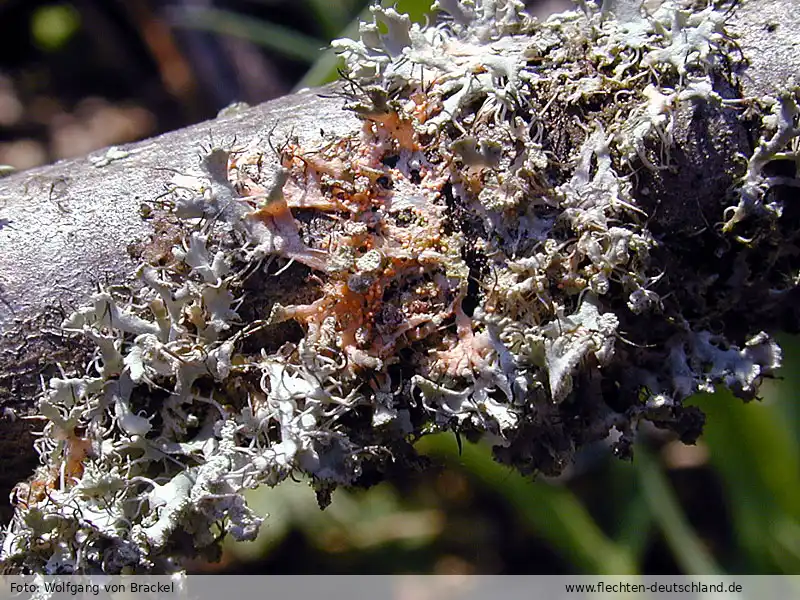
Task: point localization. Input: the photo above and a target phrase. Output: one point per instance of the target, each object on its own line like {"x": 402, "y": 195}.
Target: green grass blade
{"x": 754, "y": 447}
{"x": 269, "y": 35}
{"x": 551, "y": 512}
{"x": 635, "y": 526}
{"x": 331, "y": 17}
{"x": 687, "y": 549}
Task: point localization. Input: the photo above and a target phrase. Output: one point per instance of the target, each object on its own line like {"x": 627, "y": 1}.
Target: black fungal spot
{"x": 391, "y": 160}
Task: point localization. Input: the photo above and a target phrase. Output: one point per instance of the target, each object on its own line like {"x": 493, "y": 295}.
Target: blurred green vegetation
{"x": 333, "y": 20}
{"x": 732, "y": 504}
{"x": 53, "y": 25}
{"x": 755, "y": 449}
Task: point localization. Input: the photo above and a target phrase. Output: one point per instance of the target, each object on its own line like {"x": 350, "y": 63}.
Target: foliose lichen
{"x": 481, "y": 257}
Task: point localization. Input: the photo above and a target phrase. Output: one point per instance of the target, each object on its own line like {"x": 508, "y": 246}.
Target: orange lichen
{"x": 78, "y": 449}
{"x": 62, "y": 475}
{"x": 424, "y": 106}
{"x": 269, "y": 207}
{"x": 376, "y": 306}
{"x": 398, "y": 127}
{"x": 25, "y": 495}
{"x": 310, "y": 197}
{"x": 467, "y": 353}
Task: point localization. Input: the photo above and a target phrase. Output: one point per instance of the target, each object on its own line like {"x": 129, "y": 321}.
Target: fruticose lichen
{"x": 485, "y": 256}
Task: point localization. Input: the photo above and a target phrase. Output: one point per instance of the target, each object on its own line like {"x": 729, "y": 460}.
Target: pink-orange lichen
{"x": 391, "y": 208}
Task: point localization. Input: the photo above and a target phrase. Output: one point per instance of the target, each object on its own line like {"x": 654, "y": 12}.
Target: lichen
{"x": 478, "y": 258}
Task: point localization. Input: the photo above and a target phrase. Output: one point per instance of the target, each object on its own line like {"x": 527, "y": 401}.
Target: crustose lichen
{"x": 481, "y": 257}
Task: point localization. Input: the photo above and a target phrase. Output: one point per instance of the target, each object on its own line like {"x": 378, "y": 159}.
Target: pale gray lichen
{"x": 482, "y": 257}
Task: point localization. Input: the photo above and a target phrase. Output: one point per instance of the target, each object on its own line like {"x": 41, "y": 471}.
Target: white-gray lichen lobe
{"x": 481, "y": 257}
